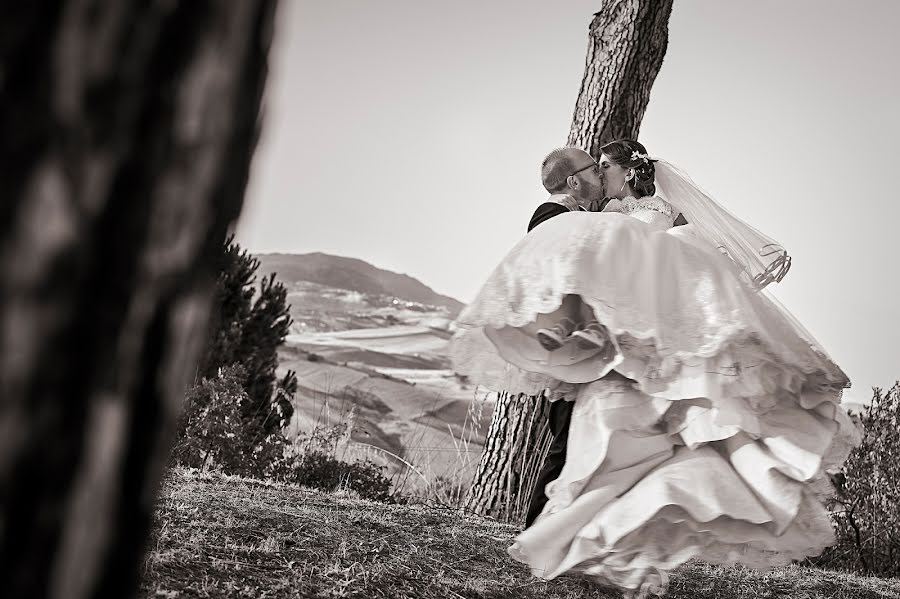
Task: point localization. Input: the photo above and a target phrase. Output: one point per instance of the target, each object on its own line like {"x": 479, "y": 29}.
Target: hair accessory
{"x": 638, "y": 156}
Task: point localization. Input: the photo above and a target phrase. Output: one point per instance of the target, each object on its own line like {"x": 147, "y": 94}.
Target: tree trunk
{"x": 508, "y": 469}
{"x": 627, "y": 43}
{"x": 128, "y": 128}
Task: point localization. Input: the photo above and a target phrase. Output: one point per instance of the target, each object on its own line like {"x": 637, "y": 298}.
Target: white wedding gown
{"x": 703, "y": 430}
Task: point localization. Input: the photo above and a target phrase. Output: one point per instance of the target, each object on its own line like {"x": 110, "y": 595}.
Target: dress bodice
{"x": 654, "y": 211}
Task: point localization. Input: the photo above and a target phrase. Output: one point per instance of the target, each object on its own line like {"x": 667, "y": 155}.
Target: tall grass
{"x": 415, "y": 472}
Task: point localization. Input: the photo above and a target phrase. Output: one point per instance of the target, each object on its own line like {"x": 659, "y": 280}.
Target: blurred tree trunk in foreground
{"x": 128, "y": 128}
{"x": 627, "y": 41}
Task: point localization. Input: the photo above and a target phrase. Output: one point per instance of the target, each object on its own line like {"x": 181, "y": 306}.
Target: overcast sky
{"x": 409, "y": 133}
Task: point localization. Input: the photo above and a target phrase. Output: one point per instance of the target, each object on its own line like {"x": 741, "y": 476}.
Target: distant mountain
{"x": 354, "y": 275}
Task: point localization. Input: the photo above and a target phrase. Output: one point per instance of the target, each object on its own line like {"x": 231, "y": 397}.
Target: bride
{"x": 705, "y": 416}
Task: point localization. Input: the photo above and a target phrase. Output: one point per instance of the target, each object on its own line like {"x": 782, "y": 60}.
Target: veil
{"x": 762, "y": 259}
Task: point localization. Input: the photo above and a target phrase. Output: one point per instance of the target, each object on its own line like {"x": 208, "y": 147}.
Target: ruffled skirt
{"x": 703, "y": 430}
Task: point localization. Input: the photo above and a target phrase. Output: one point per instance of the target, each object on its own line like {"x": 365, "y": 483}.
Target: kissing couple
{"x": 693, "y": 416}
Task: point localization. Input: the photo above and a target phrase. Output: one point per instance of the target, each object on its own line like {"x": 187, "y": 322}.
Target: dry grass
{"x": 220, "y": 536}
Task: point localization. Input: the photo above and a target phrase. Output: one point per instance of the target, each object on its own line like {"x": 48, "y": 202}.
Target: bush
{"x": 214, "y": 434}
{"x": 249, "y": 323}
{"x": 865, "y": 513}
{"x": 320, "y": 470}
{"x": 315, "y": 465}
{"x": 233, "y": 417}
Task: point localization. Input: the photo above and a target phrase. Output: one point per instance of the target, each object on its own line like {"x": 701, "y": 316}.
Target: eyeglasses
{"x": 593, "y": 166}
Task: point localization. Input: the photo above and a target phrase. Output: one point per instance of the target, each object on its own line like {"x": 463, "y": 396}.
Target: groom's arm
{"x": 546, "y": 211}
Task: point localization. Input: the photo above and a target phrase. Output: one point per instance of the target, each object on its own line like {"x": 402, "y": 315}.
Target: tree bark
{"x": 128, "y": 128}
{"x": 507, "y": 472}
{"x": 626, "y": 45}
{"x": 627, "y": 41}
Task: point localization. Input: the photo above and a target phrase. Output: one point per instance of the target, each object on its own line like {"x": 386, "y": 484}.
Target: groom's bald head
{"x": 559, "y": 165}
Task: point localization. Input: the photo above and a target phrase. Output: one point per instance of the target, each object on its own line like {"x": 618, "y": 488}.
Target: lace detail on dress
{"x": 651, "y": 210}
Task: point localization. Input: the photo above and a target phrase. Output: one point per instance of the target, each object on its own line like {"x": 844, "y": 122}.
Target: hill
{"x": 228, "y": 537}
{"x": 369, "y": 350}
{"x": 353, "y": 275}
{"x": 402, "y": 408}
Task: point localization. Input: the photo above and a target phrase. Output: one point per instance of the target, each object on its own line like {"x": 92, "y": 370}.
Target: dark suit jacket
{"x": 546, "y": 211}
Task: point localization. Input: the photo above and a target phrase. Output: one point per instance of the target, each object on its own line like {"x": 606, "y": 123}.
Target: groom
{"x": 576, "y": 183}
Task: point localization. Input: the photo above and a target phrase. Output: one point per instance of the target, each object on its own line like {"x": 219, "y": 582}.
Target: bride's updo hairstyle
{"x": 629, "y": 153}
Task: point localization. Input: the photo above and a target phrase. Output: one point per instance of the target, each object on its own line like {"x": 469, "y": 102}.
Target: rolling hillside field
{"x": 377, "y": 361}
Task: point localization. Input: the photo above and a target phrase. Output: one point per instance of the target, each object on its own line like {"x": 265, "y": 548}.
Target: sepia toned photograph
{"x": 479, "y": 300}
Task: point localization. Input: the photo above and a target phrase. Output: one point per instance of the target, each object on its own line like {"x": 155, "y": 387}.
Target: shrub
{"x": 315, "y": 463}
{"x": 865, "y": 513}
{"x": 234, "y": 415}
{"x": 249, "y": 323}
{"x": 214, "y": 434}
{"x": 320, "y": 470}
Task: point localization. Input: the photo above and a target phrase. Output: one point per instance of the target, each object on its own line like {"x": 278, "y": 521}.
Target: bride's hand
{"x": 597, "y": 205}
{"x": 565, "y": 200}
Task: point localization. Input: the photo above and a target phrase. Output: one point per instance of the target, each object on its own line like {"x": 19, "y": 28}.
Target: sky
{"x": 409, "y": 133}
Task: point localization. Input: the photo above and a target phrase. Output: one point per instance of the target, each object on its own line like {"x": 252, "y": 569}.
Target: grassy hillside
{"x": 227, "y": 537}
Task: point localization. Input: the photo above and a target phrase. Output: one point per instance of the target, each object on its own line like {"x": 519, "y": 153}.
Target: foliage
{"x": 315, "y": 464}
{"x": 213, "y": 433}
{"x": 865, "y": 513}
{"x": 320, "y": 470}
{"x": 248, "y": 325}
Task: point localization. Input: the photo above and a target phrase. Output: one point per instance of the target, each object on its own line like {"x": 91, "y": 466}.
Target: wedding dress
{"x": 705, "y": 427}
